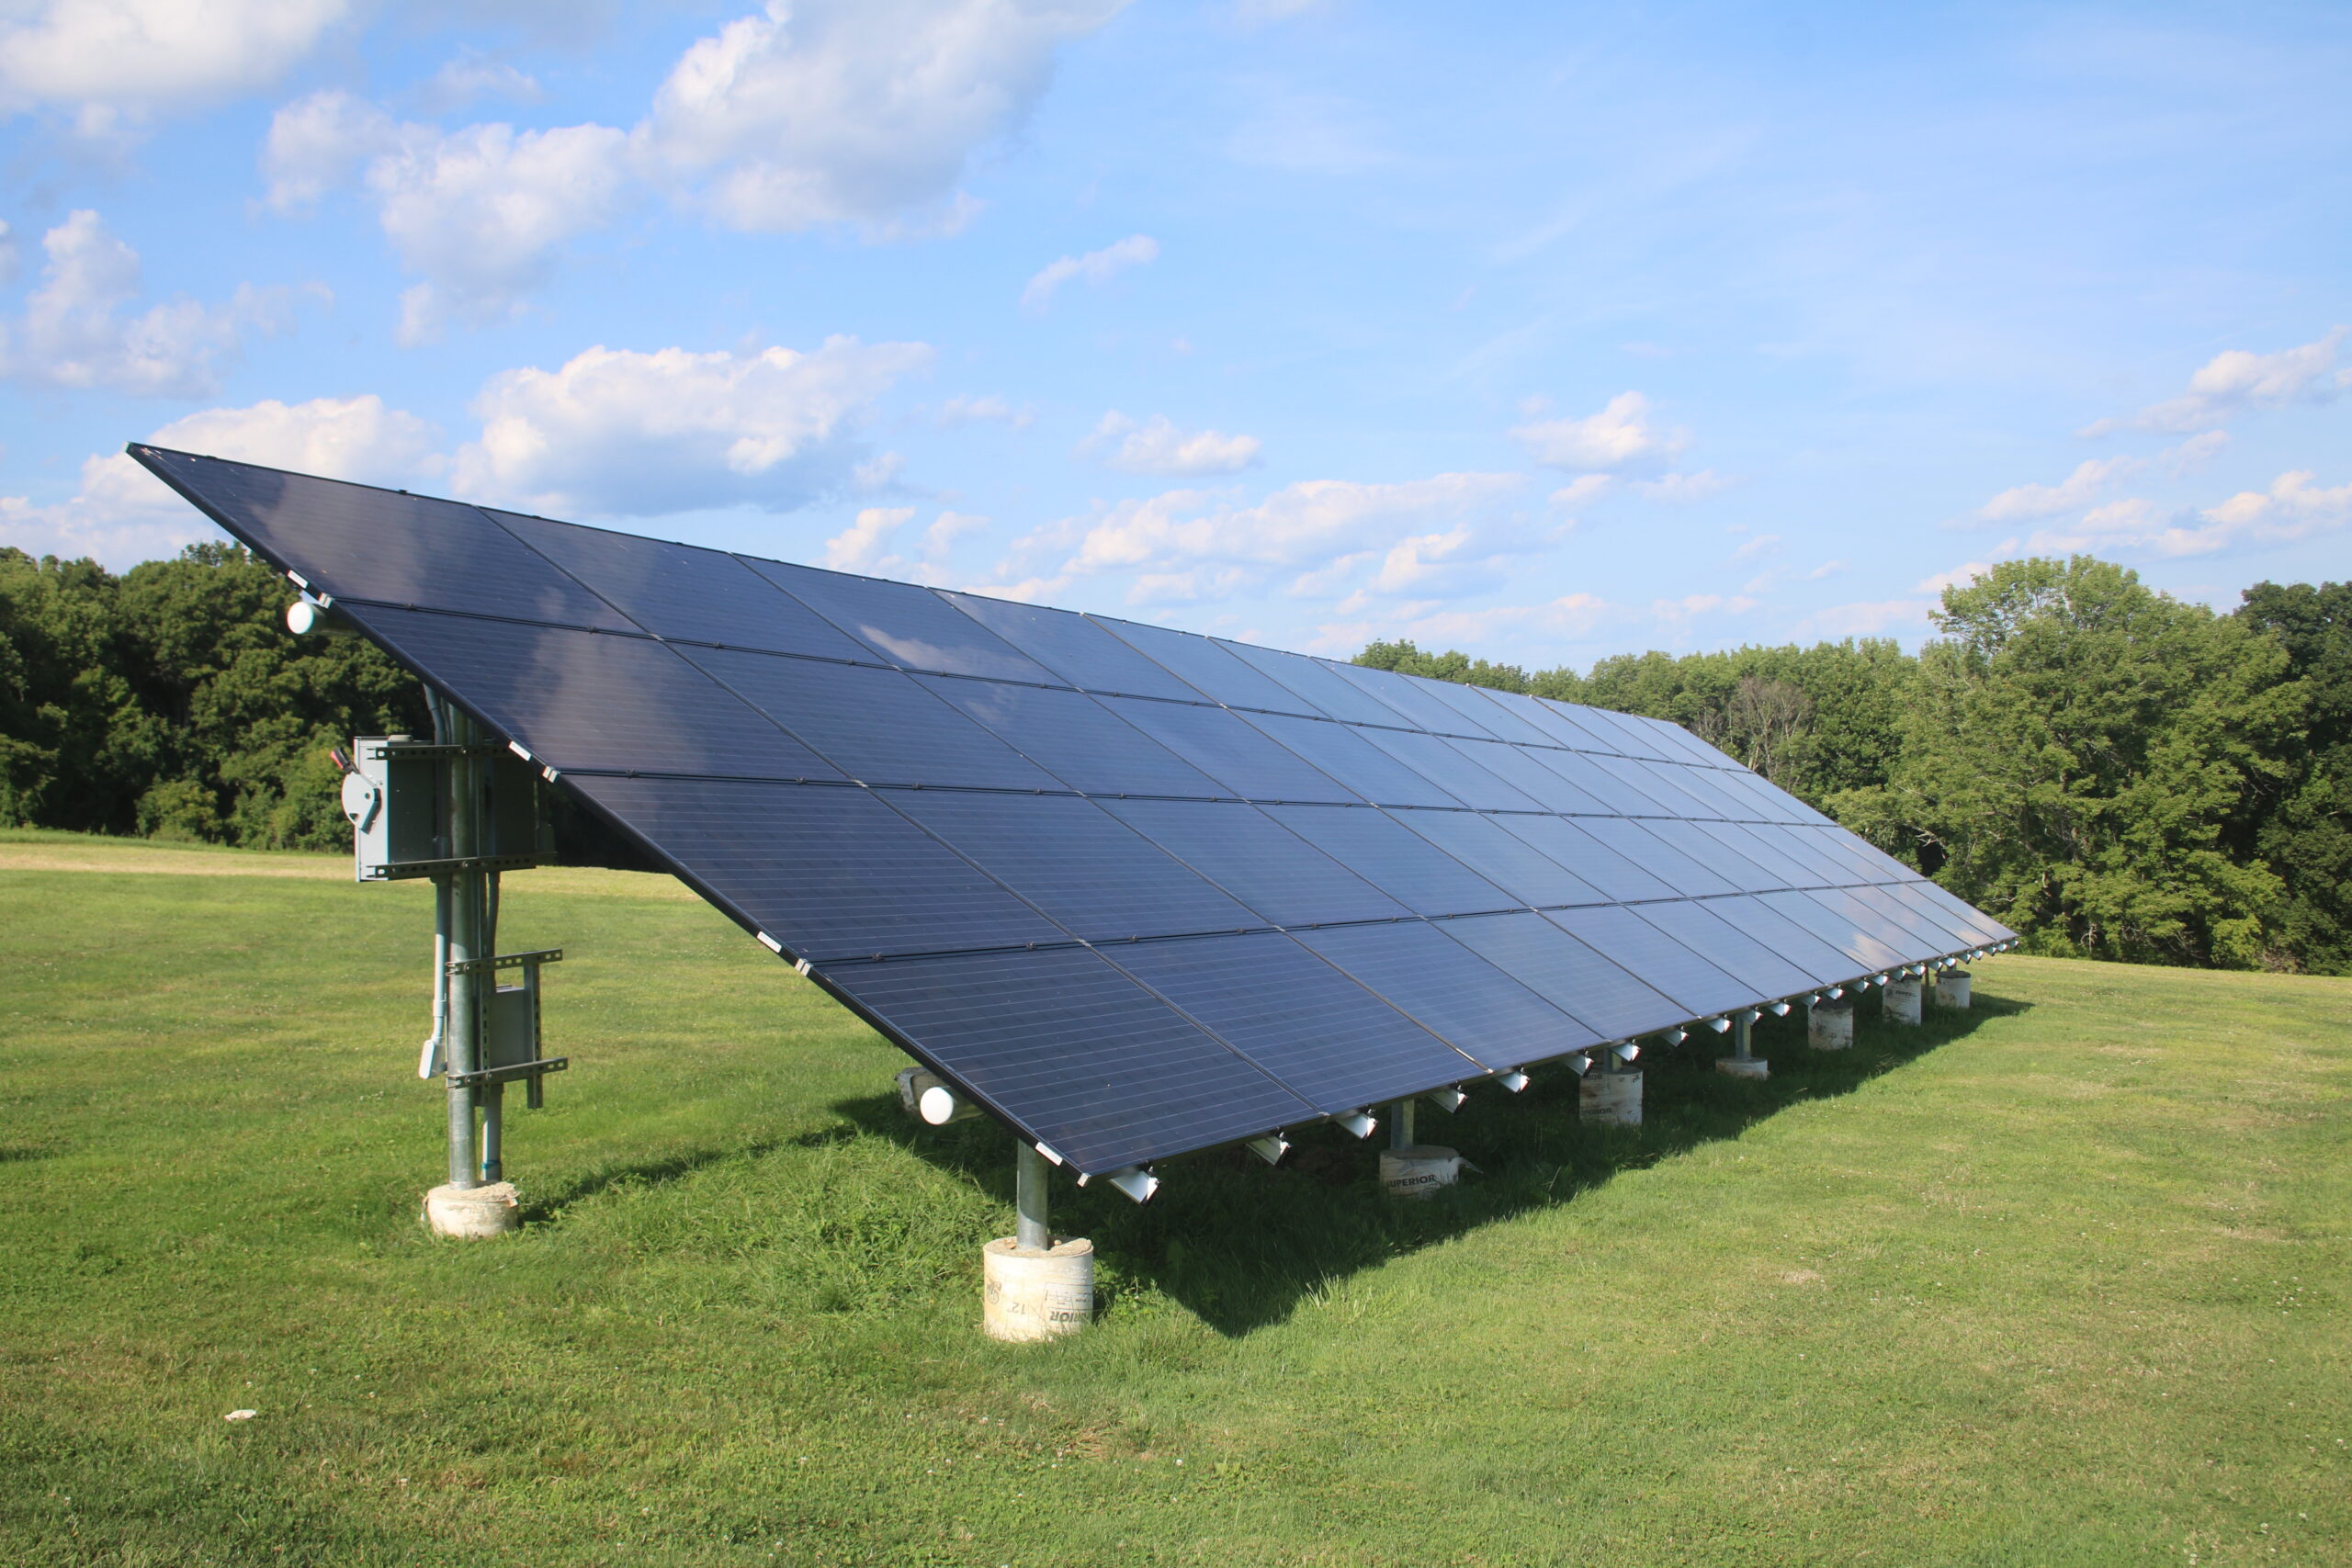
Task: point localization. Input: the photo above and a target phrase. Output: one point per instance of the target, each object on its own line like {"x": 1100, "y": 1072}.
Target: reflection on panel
{"x": 1503, "y": 858}
{"x": 1104, "y": 1072}
{"x": 1312, "y": 679}
{"x": 908, "y": 626}
{"x": 1757, "y": 968}
{"x": 1617, "y": 879}
{"x": 828, "y": 871}
{"x": 1540, "y": 954}
{"x": 877, "y": 725}
{"x": 1207, "y": 668}
{"x": 1074, "y": 738}
{"x": 1400, "y": 863}
{"x": 1088, "y": 871}
{"x": 680, "y": 592}
{"x": 1482, "y": 1011}
{"x": 1077, "y": 650}
{"x": 1335, "y": 1043}
{"x": 1341, "y": 751}
{"x": 1226, "y": 747}
{"x": 584, "y": 700}
{"x": 1433, "y": 757}
{"x": 1286, "y": 880}
{"x": 1631, "y": 942}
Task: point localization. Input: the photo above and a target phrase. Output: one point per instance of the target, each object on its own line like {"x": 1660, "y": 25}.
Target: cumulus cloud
{"x": 7, "y": 256}
{"x": 864, "y": 545}
{"x": 613, "y": 432}
{"x": 1193, "y": 544}
{"x": 2025, "y": 503}
{"x": 1513, "y": 625}
{"x": 858, "y": 547}
{"x": 992, "y": 409}
{"x": 1869, "y": 618}
{"x": 2240, "y": 379}
{"x": 1094, "y": 267}
{"x": 122, "y": 514}
{"x": 320, "y": 142}
{"x": 77, "y": 332}
{"x": 1672, "y": 488}
{"x": 1622, "y": 435}
{"x": 112, "y": 61}
{"x": 854, "y": 112}
{"x": 1159, "y": 448}
{"x": 470, "y": 76}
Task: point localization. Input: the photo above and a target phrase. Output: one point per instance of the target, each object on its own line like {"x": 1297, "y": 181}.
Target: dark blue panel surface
{"x": 1636, "y": 780}
{"x": 1859, "y": 934}
{"x": 1712, "y": 853}
{"x": 1088, "y": 871}
{"x": 1908, "y": 935}
{"x": 1224, "y": 746}
{"x": 1207, "y": 667}
{"x": 591, "y": 700}
{"x": 1435, "y": 757}
{"x": 1786, "y": 870}
{"x": 908, "y": 626}
{"x": 679, "y": 591}
{"x": 1764, "y": 973}
{"x": 826, "y": 869}
{"x": 1982, "y": 927}
{"x": 1074, "y": 738}
{"x": 1077, "y": 650}
{"x": 1402, "y": 864}
{"x": 1632, "y": 738}
{"x": 359, "y": 542}
{"x": 1287, "y": 880}
{"x": 1507, "y": 860}
{"x": 1825, "y": 963}
{"x": 1540, "y": 715}
{"x": 1537, "y": 952}
{"x": 1635, "y": 842}
{"x": 1483, "y": 706}
{"x": 1077, "y": 1055}
{"x": 1706, "y": 783}
{"x": 1413, "y": 698}
{"x": 1341, "y": 751}
{"x": 1566, "y": 842}
{"x": 1333, "y": 1042}
{"x": 1679, "y": 745}
{"x": 1312, "y": 679}
{"x": 877, "y": 725}
{"x": 1519, "y": 769}
{"x": 1583, "y": 770}
{"x": 1597, "y": 735}
{"x": 1939, "y": 935}
{"x": 1482, "y": 1011}
{"x": 1669, "y": 784}
{"x": 1631, "y": 942}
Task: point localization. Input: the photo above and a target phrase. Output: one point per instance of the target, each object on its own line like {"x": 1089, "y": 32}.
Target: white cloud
{"x": 75, "y": 333}
{"x": 2293, "y": 508}
{"x": 1679, "y": 612}
{"x": 855, "y": 111}
{"x": 1578, "y": 490}
{"x": 1762, "y": 545}
{"x": 992, "y": 409}
{"x": 1957, "y": 576}
{"x": 1192, "y": 544}
{"x": 110, "y": 59}
{"x": 613, "y": 432}
{"x": 859, "y": 545}
{"x": 2194, "y": 453}
{"x": 1094, "y": 266}
{"x": 7, "y": 256}
{"x": 1621, "y": 437}
{"x": 1571, "y": 616}
{"x": 470, "y": 76}
{"x": 122, "y": 514}
{"x": 2241, "y": 379}
{"x": 1872, "y": 618}
{"x": 479, "y": 211}
{"x": 2025, "y": 503}
{"x": 1158, "y": 447}
{"x": 1673, "y": 487}
{"x": 319, "y": 142}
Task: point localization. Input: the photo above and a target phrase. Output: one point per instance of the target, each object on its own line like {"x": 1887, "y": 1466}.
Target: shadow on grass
{"x": 1240, "y": 1244}
{"x": 550, "y": 1205}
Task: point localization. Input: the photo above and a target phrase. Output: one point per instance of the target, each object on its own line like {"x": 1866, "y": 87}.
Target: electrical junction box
{"x": 395, "y": 798}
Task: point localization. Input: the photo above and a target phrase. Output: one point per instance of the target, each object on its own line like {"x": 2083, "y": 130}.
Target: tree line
{"x": 2112, "y": 772}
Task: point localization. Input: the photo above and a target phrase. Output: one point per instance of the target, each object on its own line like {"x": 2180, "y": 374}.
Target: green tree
{"x": 75, "y": 748}
{"x": 2088, "y": 756}
{"x": 1451, "y": 665}
{"x": 2308, "y": 839}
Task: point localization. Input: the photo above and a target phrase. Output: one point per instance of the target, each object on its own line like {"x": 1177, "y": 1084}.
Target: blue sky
{"x": 1541, "y": 332}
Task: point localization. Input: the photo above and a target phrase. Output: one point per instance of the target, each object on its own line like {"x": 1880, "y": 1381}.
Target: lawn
{"x": 2062, "y": 1281}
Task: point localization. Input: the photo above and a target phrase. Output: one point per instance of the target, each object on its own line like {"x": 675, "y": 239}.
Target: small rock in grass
{"x": 240, "y": 1416}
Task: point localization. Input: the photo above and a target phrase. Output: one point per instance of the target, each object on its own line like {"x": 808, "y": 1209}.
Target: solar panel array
{"x": 1137, "y": 891}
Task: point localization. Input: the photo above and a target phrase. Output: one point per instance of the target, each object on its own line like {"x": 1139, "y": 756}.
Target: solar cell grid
{"x": 952, "y": 902}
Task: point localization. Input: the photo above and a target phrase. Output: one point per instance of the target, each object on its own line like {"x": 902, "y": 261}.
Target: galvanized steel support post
{"x": 1400, "y": 1123}
{"x": 467, "y": 898}
{"x": 1030, "y": 1232}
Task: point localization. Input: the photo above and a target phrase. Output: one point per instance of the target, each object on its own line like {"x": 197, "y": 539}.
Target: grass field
{"x": 2061, "y": 1281}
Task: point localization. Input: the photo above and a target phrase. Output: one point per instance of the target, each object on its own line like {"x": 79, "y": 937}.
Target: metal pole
{"x": 465, "y": 937}
{"x": 1739, "y": 1038}
{"x": 493, "y": 1096}
{"x": 1030, "y": 1231}
{"x": 1400, "y": 1123}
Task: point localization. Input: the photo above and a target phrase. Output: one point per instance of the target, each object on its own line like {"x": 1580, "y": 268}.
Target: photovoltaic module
{"x": 1136, "y": 891}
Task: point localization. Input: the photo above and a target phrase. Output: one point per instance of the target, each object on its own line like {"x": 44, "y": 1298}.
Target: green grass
{"x": 2063, "y": 1282}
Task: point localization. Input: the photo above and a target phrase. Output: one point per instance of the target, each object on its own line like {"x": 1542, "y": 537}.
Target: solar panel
{"x": 1135, "y": 891}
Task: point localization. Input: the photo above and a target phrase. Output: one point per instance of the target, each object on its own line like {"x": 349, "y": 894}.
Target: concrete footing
{"x": 1829, "y": 1026}
{"x": 1030, "y": 1294}
{"x": 1611, "y": 1099}
{"x": 473, "y": 1213}
{"x": 1744, "y": 1066}
{"x": 1900, "y": 1000}
{"x": 1417, "y": 1170}
{"x": 1951, "y": 989}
